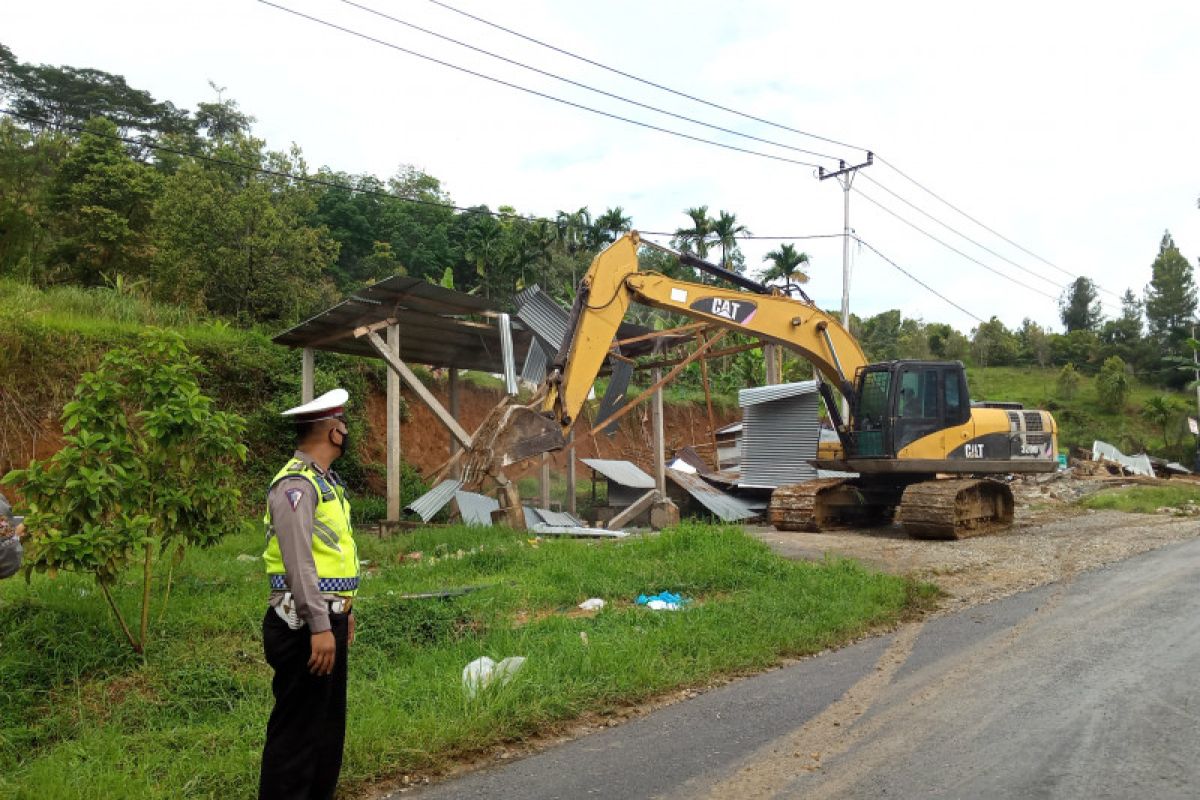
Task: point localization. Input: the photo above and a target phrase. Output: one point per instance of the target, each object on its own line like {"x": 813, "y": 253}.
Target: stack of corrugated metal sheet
{"x": 781, "y": 427}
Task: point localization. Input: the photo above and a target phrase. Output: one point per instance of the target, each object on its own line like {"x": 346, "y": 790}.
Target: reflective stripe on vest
{"x": 334, "y": 551}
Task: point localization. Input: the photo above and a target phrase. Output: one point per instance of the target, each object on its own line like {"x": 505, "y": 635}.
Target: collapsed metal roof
{"x": 723, "y": 506}
{"x": 439, "y": 327}
{"x": 625, "y": 473}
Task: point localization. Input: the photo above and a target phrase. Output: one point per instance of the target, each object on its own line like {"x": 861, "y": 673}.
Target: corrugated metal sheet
{"x": 1139, "y": 464}
{"x": 542, "y": 314}
{"x": 778, "y": 391}
{"x": 546, "y": 318}
{"x": 434, "y": 500}
{"x": 614, "y": 394}
{"x": 625, "y": 473}
{"x": 780, "y": 434}
{"x": 558, "y": 518}
{"x": 476, "y": 509}
{"x": 536, "y": 361}
{"x": 723, "y": 506}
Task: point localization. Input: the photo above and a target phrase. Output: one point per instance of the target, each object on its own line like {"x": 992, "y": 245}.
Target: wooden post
{"x": 571, "y": 504}
{"x": 771, "y": 357}
{"x": 712, "y": 420}
{"x": 393, "y": 430}
{"x": 419, "y": 389}
{"x": 544, "y": 480}
{"x": 660, "y": 455}
{"x": 454, "y": 408}
{"x": 307, "y": 374}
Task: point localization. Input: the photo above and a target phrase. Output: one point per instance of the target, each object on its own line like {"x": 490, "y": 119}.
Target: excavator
{"x": 919, "y": 451}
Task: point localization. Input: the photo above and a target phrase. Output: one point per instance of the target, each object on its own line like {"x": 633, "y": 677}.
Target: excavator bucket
{"x": 509, "y": 434}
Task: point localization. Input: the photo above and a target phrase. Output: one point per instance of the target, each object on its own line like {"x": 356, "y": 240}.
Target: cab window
{"x": 918, "y": 396}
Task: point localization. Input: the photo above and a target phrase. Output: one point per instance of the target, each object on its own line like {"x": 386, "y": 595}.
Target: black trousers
{"x": 303, "y": 754}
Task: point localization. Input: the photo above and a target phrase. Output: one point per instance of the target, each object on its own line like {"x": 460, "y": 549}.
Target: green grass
{"x": 80, "y": 717}
{"x": 1143, "y": 499}
{"x": 1081, "y": 419}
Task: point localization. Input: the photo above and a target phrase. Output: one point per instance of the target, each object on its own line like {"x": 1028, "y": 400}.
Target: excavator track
{"x": 955, "y": 508}
{"x": 824, "y": 504}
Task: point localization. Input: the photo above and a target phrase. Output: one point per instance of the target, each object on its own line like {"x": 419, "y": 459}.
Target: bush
{"x": 1068, "y": 382}
{"x": 1112, "y": 384}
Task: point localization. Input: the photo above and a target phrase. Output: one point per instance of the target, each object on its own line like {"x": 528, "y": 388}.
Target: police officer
{"x": 312, "y": 566}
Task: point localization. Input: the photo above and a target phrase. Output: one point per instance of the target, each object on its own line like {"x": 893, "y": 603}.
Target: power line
{"x": 535, "y": 92}
{"x": 581, "y": 85}
{"x": 949, "y": 246}
{"x": 993, "y": 231}
{"x": 957, "y": 232}
{"x": 645, "y": 81}
{"x": 917, "y": 280}
{"x": 771, "y": 123}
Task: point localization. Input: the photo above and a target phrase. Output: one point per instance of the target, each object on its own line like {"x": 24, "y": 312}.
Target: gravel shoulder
{"x": 1051, "y": 540}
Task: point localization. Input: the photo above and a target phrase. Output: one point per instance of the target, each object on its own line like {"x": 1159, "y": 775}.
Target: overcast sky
{"x": 1068, "y": 129}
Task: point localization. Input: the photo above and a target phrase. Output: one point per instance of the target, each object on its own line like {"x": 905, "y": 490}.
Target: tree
{"x": 1123, "y": 336}
{"x": 785, "y": 265}
{"x": 101, "y": 199}
{"x": 223, "y": 119}
{"x": 993, "y": 344}
{"x": 1034, "y": 343}
{"x": 1067, "y": 382}
{"x": 66, "y": 95}
{"x": 147, "y": 466}
{"x": 1077, "y": 347}
{"x": 1112, "y": 384}
{"x": 946, "y": 342}
{"x": 238, "y": 244}
{"x": 726, "y": 229}
{"x": 1166, "y": 414}
{"x": 609, "y": 226}
{"x": 1079, "y": 307}
{"x": 698, "y": 238}
{"x": 1170, "y": 297}
{"x": 28, "y": 163}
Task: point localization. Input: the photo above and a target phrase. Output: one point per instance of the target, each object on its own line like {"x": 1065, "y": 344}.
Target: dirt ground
{"x": 1051, "y": 540}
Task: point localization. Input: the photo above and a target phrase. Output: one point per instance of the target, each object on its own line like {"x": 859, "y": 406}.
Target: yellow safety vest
{"x": 333, "y": 548}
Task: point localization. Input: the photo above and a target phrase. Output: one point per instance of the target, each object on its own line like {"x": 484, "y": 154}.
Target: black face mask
{"x": 345, "y": 440}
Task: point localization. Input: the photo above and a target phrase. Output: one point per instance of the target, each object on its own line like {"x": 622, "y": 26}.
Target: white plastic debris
{"x": 662, "y": 605}
{"x": 483, "y": 672}
{"x": 477, "y": 675}
{"x": 592, "y": 604}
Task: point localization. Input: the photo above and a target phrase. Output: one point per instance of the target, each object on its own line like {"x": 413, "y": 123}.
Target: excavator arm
{"x": 513, "y": 433}
{"x": 614, "y": 281}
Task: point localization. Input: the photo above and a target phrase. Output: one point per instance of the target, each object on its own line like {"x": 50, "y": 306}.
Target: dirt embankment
{"x": 425, "y": 442}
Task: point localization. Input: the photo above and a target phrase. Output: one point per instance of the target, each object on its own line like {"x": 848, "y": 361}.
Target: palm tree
{"x": 785, "y": 265}
{"x": 726, "y": 229}
{"x": 610, "y": 225}
{"x": 699, "y": 237}
{"x": 572, "y": 228}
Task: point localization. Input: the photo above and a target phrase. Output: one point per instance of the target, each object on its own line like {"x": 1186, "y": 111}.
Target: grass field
{"x": 81, "y": 717}
{"x": 1144, "y": 499}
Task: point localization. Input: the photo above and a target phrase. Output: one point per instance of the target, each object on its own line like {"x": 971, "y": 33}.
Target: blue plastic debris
{"x": 663, "y": 601}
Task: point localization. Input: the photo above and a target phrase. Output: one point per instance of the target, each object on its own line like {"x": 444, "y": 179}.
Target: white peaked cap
{"x": 327, "y": 406}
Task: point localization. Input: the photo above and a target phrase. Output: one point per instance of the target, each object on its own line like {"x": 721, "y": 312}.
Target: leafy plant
{"x": 147, "y": 465}
{"x": 1112, "y": 384}
{"x": 1068, "y": 382}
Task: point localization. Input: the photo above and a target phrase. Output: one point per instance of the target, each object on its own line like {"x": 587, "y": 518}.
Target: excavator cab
{"x": 898, "y": 402}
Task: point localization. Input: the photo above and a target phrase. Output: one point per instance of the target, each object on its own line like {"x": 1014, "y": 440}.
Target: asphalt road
{"x": 1082, "y": 689}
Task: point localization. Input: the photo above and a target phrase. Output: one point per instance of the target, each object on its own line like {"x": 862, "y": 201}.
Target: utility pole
{"x": 845, "y": 176}
{"x": 1196, "y": 361}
